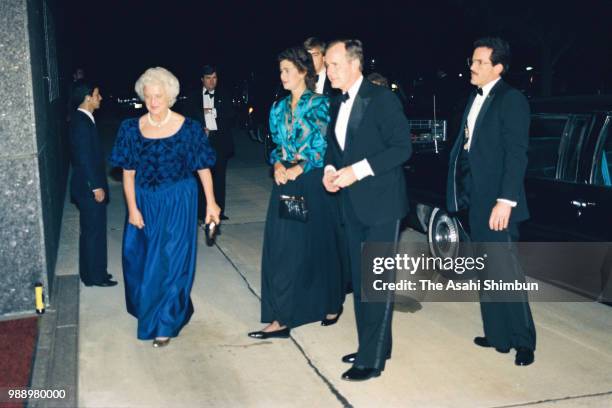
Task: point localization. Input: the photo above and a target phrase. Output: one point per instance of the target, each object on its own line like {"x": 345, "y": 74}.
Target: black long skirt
{"x": 302, "y": 278}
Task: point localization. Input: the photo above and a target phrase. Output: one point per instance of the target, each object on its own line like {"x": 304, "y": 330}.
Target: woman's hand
{"x": 213, "y": 213}
{"x": 294, "y": 172}
{"x": 135, "y": 218}
{"x": 280, "y": 174}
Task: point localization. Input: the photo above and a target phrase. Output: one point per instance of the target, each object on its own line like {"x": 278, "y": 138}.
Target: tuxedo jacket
{"x": 379, "y": 132}
{"x": 88, "y": 166}
{"x": 221, "y": 140}
{"x": 497, "y": 156}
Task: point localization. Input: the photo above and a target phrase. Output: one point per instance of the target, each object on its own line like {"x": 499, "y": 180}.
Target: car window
{"x": 602, "y": 172}
{"x": 545, "y": 133}
{"x": 572, "y": 145}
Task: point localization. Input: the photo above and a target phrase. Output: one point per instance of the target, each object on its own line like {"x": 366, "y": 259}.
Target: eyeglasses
{"x": 477, "y": 62}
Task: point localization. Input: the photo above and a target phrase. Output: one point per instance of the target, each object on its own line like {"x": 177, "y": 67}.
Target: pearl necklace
{"x": 158, "y": 124}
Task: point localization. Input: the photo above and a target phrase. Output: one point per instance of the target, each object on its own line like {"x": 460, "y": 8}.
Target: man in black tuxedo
{"x": 368, "y": 141}
{"x": 213, "y": 108}
{"x": 316, "y": 48}
{"x": 486, "y": 177}
{"x": 88, "y": 186}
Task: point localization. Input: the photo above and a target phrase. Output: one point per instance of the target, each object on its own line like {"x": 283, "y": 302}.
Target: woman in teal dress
{"x": 301, "y": 279}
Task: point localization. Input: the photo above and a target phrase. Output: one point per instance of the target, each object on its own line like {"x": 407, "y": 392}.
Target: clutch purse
{"x": 211, "y": 233}
{"x": 293, "y": 208}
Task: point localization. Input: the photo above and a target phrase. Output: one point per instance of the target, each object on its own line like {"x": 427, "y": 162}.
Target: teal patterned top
{"x": 300, "y": 136}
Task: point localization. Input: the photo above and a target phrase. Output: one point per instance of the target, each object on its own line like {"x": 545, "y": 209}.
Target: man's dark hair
{"x": 80, "y": 91}
{"x": 378, "y": 79}
{"x": 209, "y": 70}
{"x": 302, "y": 60}
{"x": 314, "y": 42}
{"x": 354, "y": 49}
{"x": 500, "y": 53}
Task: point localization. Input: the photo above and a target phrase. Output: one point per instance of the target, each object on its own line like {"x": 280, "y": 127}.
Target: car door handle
{"x": 582, "y": 204}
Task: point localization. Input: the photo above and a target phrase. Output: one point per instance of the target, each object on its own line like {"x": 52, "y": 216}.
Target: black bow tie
{"x": 344, "y": 97}
{"x": 479, "y": 91}
{"x": 211, "y": 94}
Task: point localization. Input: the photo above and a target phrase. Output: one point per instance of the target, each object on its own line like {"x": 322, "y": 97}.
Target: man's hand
{"x": 345, "y": 177}
{"x": 500, "y": 215}
{"x": 99, "y": 194}
{"x": 328, "y": 181}
{"x": 280, "y": 174}
{"x": 294, "y": 172}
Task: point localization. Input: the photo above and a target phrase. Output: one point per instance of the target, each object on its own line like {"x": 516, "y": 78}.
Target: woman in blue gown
{"x": 159, "y": 153}
{"x": 301, "y": 278}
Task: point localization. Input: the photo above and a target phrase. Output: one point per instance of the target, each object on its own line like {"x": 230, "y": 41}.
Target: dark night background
{"x": 568, "y": 44}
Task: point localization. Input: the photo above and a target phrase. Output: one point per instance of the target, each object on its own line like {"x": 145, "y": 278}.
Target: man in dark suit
{"x": 213, "y": 108}
{"x": 88, "y": 186}
{"x": 316, "y": 48}
{"x": 486, "y": 178}
{"x": 368, "y": 141}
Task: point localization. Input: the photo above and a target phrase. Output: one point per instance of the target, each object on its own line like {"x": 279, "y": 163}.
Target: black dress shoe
{"x": 107, "y": 283}
{"x": 524, "y": 356}
{"x": 360, "y": 374}
{"x": 350, "y": 358}
{"x": 278, "y": 334}
{"x": 483, "y": 342}
{"x": 224, "y": 217}
{"x": 329, "y": 322}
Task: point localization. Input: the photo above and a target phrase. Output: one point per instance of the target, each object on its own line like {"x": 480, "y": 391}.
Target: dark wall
{"x": 33, "y": 163}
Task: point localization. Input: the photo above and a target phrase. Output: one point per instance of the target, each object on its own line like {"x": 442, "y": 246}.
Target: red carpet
{"x": 17, "y": 345}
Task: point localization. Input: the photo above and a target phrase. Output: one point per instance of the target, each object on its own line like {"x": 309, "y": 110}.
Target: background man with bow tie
{"x": 486, "y": 178}
{"x": 368, "y": 142}
{"x": 212, "y": 107}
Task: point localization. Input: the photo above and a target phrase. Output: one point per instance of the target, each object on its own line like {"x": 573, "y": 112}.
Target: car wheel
{"x": 443, "y": 234}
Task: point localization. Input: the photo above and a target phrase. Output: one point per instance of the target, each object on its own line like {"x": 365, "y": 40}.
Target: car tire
{"x": 423, "y": 215}
{"x": 443, "y": 234}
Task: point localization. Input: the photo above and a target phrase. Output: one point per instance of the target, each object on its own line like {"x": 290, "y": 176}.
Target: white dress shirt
{"x": 361, "y": 168}
{"x": 471, "y": 123}
{"x": 88, "y": 113}
{"x": 321, "y": 81}
{"x": 475, "y": 110}
{"x": 210, "y": 117}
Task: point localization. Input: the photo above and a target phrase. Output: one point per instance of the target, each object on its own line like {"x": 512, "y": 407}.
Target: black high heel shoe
{"x": 329, "y": 322}
{"x": 278, "y": 334}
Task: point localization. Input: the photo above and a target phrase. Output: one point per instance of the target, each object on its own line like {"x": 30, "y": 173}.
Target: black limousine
{"x": 568, "y": 185}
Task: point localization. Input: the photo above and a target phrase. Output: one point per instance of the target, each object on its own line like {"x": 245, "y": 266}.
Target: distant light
{"x": 530, "y": 68}
{"x": 138, "y": 105}
{"x": 251, "y": 110}
{"x": 373, "y": 61}
{"x": 460, "y": 75}
{"x": 393, "y": 86}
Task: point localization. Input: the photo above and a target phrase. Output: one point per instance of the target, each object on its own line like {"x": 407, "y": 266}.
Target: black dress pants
{"x": 506, "y": 319}
{"x": 373, "y": 318}
{"x": 92, "y": 240}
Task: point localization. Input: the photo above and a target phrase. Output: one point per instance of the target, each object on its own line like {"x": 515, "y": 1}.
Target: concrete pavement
{"x": 214, "y": 364}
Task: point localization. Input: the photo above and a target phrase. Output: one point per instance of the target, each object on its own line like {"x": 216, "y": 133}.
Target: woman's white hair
{"x": 161, "y": 77}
